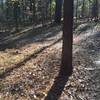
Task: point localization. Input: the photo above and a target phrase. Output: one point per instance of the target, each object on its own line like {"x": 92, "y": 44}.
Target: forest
{"x": 49, "y": 49}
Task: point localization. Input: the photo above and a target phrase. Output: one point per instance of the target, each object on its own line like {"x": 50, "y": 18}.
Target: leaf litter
{"x": 33, "y": 80}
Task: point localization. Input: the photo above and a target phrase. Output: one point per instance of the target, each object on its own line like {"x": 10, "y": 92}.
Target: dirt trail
{"x": 87, "y": 57}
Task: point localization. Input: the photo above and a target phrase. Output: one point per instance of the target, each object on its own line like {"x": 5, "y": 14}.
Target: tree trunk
{"x": 58, "y": 11}
{"x": 66, "y": 67}
{"x": 83, "y": 7}
{"x": 16, "y": 14}
{"x": 2, "y": 6}
{"x": 95, "y": 10}
{"x": 76, "y": 10}
{"x": 89, "y": 9}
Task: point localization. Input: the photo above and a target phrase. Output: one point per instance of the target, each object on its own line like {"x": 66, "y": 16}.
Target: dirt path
{"x": 87, "y": 60}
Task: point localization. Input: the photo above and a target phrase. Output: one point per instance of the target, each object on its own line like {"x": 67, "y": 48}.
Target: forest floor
{"x": 30, "y": 61}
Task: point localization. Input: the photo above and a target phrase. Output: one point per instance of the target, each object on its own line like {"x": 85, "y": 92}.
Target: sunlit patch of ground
{"x": 33, "y": 79}
{"x": 12, "y": 56}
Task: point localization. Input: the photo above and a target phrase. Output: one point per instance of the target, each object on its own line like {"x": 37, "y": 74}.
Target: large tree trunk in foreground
{"x": 66, "y": 67}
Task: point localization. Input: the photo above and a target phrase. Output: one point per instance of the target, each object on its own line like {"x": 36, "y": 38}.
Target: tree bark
{"x": 66, "y": 65}
{"x": 76, "y": 10}
{"x": 58, "y": 11}
{"x": 83, "y": 7}
{"x": 2, "y": 6}
{"x": 95, "y": 9}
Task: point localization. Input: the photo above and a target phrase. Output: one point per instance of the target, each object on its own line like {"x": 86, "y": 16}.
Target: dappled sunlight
{"x": 32, "y": 36}
{"x": 81, "y": 37}
{"x": 28, "y": 48}
{"x": 97, "y": 62}
{"x": 49, "y": 50}
{"x": 76, "y": 50}
{"x": 90, "y": 32}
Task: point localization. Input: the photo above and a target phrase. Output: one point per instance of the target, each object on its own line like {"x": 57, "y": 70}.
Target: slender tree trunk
{"x": 50, "y": 10}
{"x": 2, "y": 6}
{"x": 58, "y": 11}
{"x": 33, "y": 11}
{"x": 16, "y": 14}
{"x": 23, "y": 9}
{"x": 76, "y": 10}
{"x": 89, "y": 9}
{"x": 83, "y": 7}
{"x": 95, "y": 10}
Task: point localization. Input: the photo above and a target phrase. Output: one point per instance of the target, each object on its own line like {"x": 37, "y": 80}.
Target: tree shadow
{"x": 57, "y": 88}
{"x": 28, "y": 37}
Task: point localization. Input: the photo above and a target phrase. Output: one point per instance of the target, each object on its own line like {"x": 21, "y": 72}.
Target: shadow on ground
{"x": 57, "y": 88}
{"x": 33, "y": 35}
